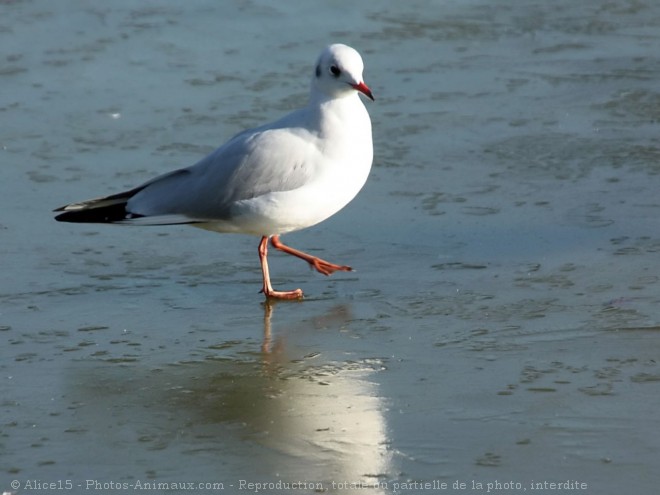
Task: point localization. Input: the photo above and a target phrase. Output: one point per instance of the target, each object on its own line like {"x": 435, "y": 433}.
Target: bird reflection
{"x": 281, "y": 414}
{"x": 268, "y": 332}
{"x": 327, "y": 415}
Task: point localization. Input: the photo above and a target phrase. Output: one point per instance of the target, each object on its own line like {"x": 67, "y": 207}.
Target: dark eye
{"x": 335, "y": 71}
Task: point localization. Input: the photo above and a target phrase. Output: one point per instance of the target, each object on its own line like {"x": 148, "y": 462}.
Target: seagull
{"x": 277, "y": 178}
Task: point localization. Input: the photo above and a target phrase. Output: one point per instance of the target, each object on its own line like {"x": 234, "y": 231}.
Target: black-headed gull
{"x": 277, "y": 178}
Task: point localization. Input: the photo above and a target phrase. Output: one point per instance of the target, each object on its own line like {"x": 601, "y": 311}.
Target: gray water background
{"x": 503, "y": 321}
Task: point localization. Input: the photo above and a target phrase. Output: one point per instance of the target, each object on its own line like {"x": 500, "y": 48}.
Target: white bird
{"x": 281, "y": 177}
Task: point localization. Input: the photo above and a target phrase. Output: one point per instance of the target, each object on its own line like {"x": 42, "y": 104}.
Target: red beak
{"x": 364, "y": 89}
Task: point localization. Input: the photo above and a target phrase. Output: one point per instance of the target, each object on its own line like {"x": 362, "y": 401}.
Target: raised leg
{"x": 267, "y": 289}
{"x": 321, "y": 266}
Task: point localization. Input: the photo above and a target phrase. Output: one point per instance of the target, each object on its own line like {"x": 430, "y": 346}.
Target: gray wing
{"x": 251, "y": 164}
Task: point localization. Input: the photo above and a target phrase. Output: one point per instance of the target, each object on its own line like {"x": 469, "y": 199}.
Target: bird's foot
{"x": 327, "y": 268}
{"x": 288, "y": 295}
{"x": 321, "y": 266}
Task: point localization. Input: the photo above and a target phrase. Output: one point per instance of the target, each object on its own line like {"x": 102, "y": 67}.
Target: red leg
{"x": 321, "y": 266}
{"x": 267, "y": 289}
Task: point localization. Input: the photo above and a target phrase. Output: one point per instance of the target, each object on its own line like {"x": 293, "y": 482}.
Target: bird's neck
{"x": 342, "y": 119}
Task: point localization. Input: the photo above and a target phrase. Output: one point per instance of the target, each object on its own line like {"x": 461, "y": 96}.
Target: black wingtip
{"x": 106, "y": 214}
{"x": 102, "y": 210}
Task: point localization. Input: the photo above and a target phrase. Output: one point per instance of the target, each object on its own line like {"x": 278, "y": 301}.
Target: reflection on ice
{"x": 297, "y": 419}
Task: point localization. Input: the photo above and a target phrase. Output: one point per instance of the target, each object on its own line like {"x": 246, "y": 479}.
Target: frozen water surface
{"x": 502, "y": 325}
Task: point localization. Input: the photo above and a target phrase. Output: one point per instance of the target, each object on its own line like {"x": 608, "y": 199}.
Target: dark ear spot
{"x": 318, "y": 70}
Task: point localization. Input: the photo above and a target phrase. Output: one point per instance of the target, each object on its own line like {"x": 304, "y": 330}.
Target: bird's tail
{"x": 109, "y": 209}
